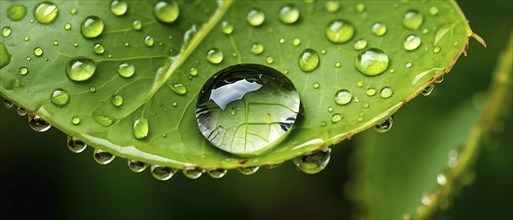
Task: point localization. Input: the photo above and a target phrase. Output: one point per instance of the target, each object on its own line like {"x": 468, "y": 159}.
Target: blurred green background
{"x": 41, "y": 179}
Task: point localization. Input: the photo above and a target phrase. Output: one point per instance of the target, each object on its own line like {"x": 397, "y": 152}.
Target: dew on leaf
{"x": 215, "y": 56}
{"x": 255, "y": 17}
{"x": 137, "y": 25}
{"x": 314, "y": 162}
{"x": 269, "y": 60}
{"x": 192, "y": 172}
{"x": 332, "y": 6}
{"x": 372, "y": 62}
{"x": 413, "y": 19}
{"x": 117, "y": 100}
{"x": 330, "y": 109}
{"x": 73, "y": 11}
{"x": 38, "y": 124}
{"x": 92, "y": 27}
{"x": 428, "y": 90}
{"x": 360, "y": 7}
{"x": 38, "y": 51}
{"x": 118, "y": 7}
{"x": 296, "y": 41}
{"x": 254, "y": 91}
{"x": 59, "y": 97}
{"x": 162, "y": 173}
{"x": 8, "y": 104}
{"x": 343, "y": 97}
{"x": 193, "y": 71}
{"x": 46, "y": 12}
{"x": 360, "y": 44}
{"x": 436, "y": 49}
{"x": 149, "y": 41}
{"x": 56, "y": 43}
{"x": 289, "y": 14}
{"x": 126, "y": 69}
{"x": 166, "y": 12}
{"x": 80, "y": 69}
{"x": 226, "y": 27}
{"x": 379, "y": 29}
{"x": 75, "y": 145}
{"x": 340, "y": 31}
{"x": 136, "y": 166}
{"x": 248, "y": 170}
{"x": 433, "y": 10}
{"x": 412, "y": 42}
{"x": 16, "y": 12}
{"x": 408, "y": 65}
{"x": 217, "y": 173}
{"x": 23, "y": 71}
{"x": 75, "y": 120}
{"x": 386, "y": 92}
{"x": 102, "y": 157}
{"x": 67, "y": 26}
{"x": 257, "y": 48}
{"x": 140, "y": 128}
{"x": 316, "y": 85}
{"x": 384, "y": 126}
{"x": 335, "y": 118}
{"x": 98, "y": 48}
{"x": 371, "y": 92}
{"x": 308, "y": 60}
{"x": 26, "y": 39}
{"x": 103, "y": 120}
{"x": 21, "y": 111}
{"x": 179, "y": 88}
{"x": 92, "y": 89}
{"x": 6, "y": 31}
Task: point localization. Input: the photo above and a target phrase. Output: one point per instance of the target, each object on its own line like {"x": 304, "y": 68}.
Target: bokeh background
{"x": 41, "y": 179}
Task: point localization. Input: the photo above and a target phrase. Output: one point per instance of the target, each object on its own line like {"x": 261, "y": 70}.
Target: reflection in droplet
{"x": 59, "y": 97}
{"x": 255, "y": 17}
{"x": 343, "y": 97}
{"x": 38, "y": 124}
{"x": 379, "y": 29}
{"x": 46, "y": 12}
{"x": 102, "y": 157}
{"x": 412, "y": 42}
{"x": 215, "y": 56}
{"x": 314, "y": 162}
{"x": 162, "y": 173}
{"x": 385, "y": 126}
{"x": 75, "y": 145}
{"x": 289, "y": 14}
{"x": 248, "y": 170}
{"x": 308, "y": 60}
{"x": 21, "y": 111}
{"x": 136, "y": 166}
{"x": 372, "y": 62}
{"x": 75, "y": 120}
{"x": 192, "y": 172}
{"x": 8, "y": 104}
{"x": 179, "y": 88}
{"x": 92, "y": 27}
{"x": 217, "y": 173}
{"x": 413, "y": 19}
{"x": 340, "y": 31}
{"x": 80, "y": 69}
{"x": 140, "y": 128}
{"x": 428, "y": 90}
{"x": 118, "y": 7}
{"x": 166, "y": 11}
{"x": 126, "y": 69}
{"x": 386, "y": 92}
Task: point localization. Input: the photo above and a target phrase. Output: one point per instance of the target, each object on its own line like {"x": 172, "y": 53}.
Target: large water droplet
{"x": 192, "y": 172}
{"x": 80, "y": 69}
{"x": 118, "y": 8}
{"x": 38, "y": 124}
{"x": 179, "y": 88}
{"x": 289, "y": 14}
{"x": 140, "y": 128}
{"x": 16, "y": 12}
{"x": 117, "y": 100}
{"x": 379, "y": 29}
{"x": 46, "y": 12}
{"x": 412, "y": 42}
{"x": 413, "y": 19}
{"x": 255, "y": 17}
{"x": 102, "y": 157}
{"x": 248, "y": 170}
{"x": 5, "y": 56}
{"x": 215, "y": 56}
{"x": 343, "y": 97}
{"x": 166, "y": 11}
{"x": 314, "y": 162}
{"x": 308, "y": 60}
{"x": 386, "y": 92}
{"x": 372, "y": 62}
{"x": 217, "y": 173}
{"x": 126, "y": 69}
{"x": 92, "y": 27}
{"x": 75, "y": 145}
{"x": 6, "y": 31}
{"x": 162, "y": 173}
{"x": 59, "y": 97}
{"x": 340, "y": 31}
{"x": 136, "y": 166}
{"x": 385, "y": 126}
{"x": 254, "y": 91}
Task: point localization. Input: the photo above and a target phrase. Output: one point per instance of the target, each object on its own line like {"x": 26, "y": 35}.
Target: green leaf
{"x": 169, "y": 59}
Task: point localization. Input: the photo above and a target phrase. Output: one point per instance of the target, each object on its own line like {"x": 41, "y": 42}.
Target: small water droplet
{"x": 428, "y": 90}
{"x": 8, "y": 104}
{"x": 379, "y": 29}
{"x": 16, "y": 12}
{"x": 21, "y": 111}
{"x": 289, "y": 14}
{"x": 412, "y": 42}
{"x": 75, "y": 120}
{"x": 149, "y": 41}
{"x": 103, "y": 120}
{"x": 126, "y": 69}
{"x": 343, "y": 97}
{"x": 174, "y": 104}
{"x": 217, "y": 173}
{"x": 92, "y": 89}
{"x": 193, "y": 71}
{"x": 308, "y": 60}
{"x": 46, "y": 12}
{"x": 433, "y": 10}
{"x": 269, "y": 60}
{"x": 92, "y": 27}
{"x": 296, "y": 41}
{"x": 6, "y": 31}
{"x": 75, "y": 145}
{"x": 80, "y": 69}
{"x": 26, "y": 39}
{"x": 323, "y": 124}
{"x": 248, "y": 170}
{"x": 98, "y": 48}
{"x": 23, "y": 71}
{"x": 360, "y": 7}
{"x": 255, "y": 17}
{"x": 166, "y": 11}
{"x": 436, "y": 49}
{"x": 385, "y": 126}
{"x": 314, "y": 162}
{"x": 372, "y": 62}
{"x": 59, "y": 97}
{"x": 332, "y": 6}
{"x": 340, "y": 31}
{"x": 335, "y": 118}
{"x": 38, "y": 124}
{"x": 102, "y": 157}
{"x": 282, "y": 41}
{"x": 360, "y": 44}
{"x": 136, "y": 166}
{"x": 38, "y": 51}
{"x": 257, "y": 48}
{"x": 330, "y": 109}
{"x": 117, "y": 100}
{"x": 425, "y": 31}
{"x": 28, "y": 58}
{"x": 179, "y": 88}
{"x": 192, "y": 172}
{"x": 56, "y": 43}
{"x": 359, "y": 83}
{"x": 215, "y": 56}
{"x": 386, "y": 92}
{"x": 162, "y": 173}
{"x": 67, "y": 26}
{"x": 118, "y": 8}
{"x": 316, "y": 85}
{"x": 137, "y": 25}
{"x": 413, "y": 19}
{"x": 73, "y": 11}
{"x": 140, "y": 128}
{"x": 226, "y": 27}
{"x": 408, "y": 65}
{"x": 75, "y": 44}
{"x": 371, "y": 92}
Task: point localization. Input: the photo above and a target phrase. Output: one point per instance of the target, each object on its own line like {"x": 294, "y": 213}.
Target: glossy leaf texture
{"x": 139, "y": 72}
